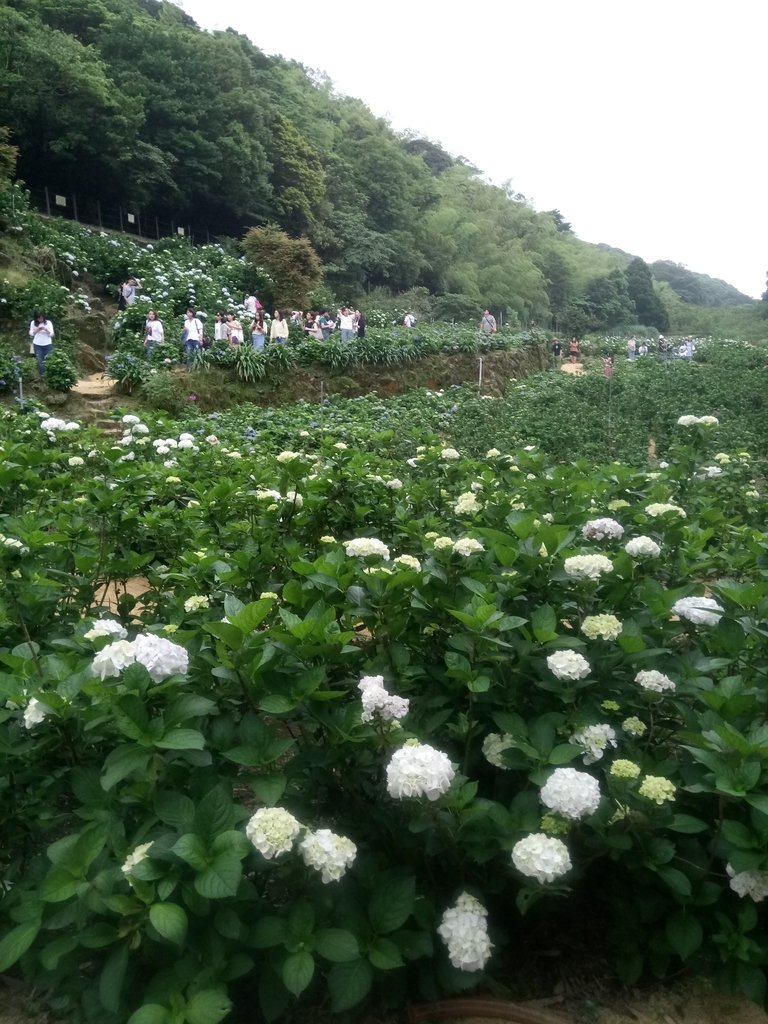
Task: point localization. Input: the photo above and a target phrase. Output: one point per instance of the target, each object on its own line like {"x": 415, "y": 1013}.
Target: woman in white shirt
{"x": 192, "y": 336}
{"x": 154, "y": 332}
{"x": 41, "y": 334}
{"x": 278, "y": 332}
{"x": 220, "y": 327}
{"x": 234, "y": 330}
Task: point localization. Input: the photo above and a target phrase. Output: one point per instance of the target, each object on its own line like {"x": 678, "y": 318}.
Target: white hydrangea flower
{"x": 394, "y": 484}
{"x": 571, "y": 793}
{"x": 492, "y": 453}
{"x": 419, "y": 770}
{"x": 542, "y": 857}
{"x": 449, "y": 454}
{"x": 327, "y": 853}
{"x": 106, "y": 627}
{"x": 136, "y": 857}
{"x": 710, "y": 471}
{"x": 602, "y": 529}
{"x": 197, "y": 601}
{"x": 687, "y": 421}
{"x": 363, "y": 547}
{"x": 130, "y": 420}
{"x": 442, "y": 543}
{"x": 466, "y": 546}
{"x": 701, "y": 611}
{"x": 112, "y": 659}
{"x": 595, "y": 739}
{"x": 708, "y": 421}
{"x": 467, "y": 504}
{"x": 295, "y": 499}
{"x": 657, "y": 788}
{"x": 654, "y": 681}
{"x": 603, "y": 627}
{"x": 267, "y": 495}
{"x": 749, "y": 883}
{"x": 408, "y": 562}
{"x": 272, "y": 831}
{"x": 159, "y": 656}
{"x": 378, "y": 702}
{"x": 464, "y": 930}
{"x": 642, "y": 547}
{"x": 212, "y": 439}
{"x": 75, "y": 460}
{"x": 568, "y": 665}
{"x": 494, "y": 745}
{"x": 661, "y": 508}
{"x": 587, "y": 567}
{"x": 35, "y": 713}
{"x": 285, "y": 457}
{"x": 139, "y": 428}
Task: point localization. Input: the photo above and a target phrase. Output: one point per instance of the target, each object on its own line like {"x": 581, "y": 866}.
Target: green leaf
{"x": 336, "y": 944}
{"x": 252, "y": 615}
{"x": 676, "y": 880}
{"x": 112, "y": 977}
{"x": 544, "y": 623}
{"x": 208, "y": 1007}
{"x": 170, "y": 921}
{"x": 276, "y": 704}
{"x": 181, "y": 739}
{"x": 384, "y": 954}
{"x": 59, "y": 885}
{"x": 192, "y": 850}
{"x": 222, "y": 878}
{"x": 186, "y": 706}
{"x": 563, "y": 753}
{"x": 269, "y": 788}
{"x": 301, "y": 921}
{"x": 215, "y": 813}
{"x": 298, "y": 970}
{"x": 175, "y": 809}
{"x": 687, "y": 823}
{"x": 17, "y": 942}
{"x": 349, "y": 984}
{"x": 150, "y": 1013}
{"x": 130, "y": 715}
{"x": 268, "y": 932}
{"x": 122, "y": 762}
{"x": 392, "y": 903}
{"x": 684, "y": 933}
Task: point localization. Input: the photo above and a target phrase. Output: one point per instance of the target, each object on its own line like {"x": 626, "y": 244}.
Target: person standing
{"x": 153, "y": 333}
{"x": 361, "y": 324}
{"x": 192, "y": 335}
{"x": 631, "y": 349}
{"x": 258, "y": 331}
{"x": 129, "y": 292}
{"x": 488, "y": 322}
{"x": 41, "y": 334}
{"x": 327, "y": 323}
{"x": 557, "y": 350}
{"x": 251, "y": 304}
{"x": 313, "y": 328}
{"x": 220, "y": 327}
{"x": 234, "y": 330}
{"x": 574, "y": 350}
{"x": 278, "y": 332}
{"x": 409, "y": 320}
{"x": 347, "y": 324}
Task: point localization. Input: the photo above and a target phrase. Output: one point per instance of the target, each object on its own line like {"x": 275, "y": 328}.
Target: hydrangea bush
{"x": 356, "y": 739}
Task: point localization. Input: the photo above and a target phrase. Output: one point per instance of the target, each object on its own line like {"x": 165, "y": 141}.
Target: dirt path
{"x": 575, "y": 368}
{"x": 96, "y": 385}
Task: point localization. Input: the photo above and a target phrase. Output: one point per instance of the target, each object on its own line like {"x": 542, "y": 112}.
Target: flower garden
{"x": 389, "y": 718}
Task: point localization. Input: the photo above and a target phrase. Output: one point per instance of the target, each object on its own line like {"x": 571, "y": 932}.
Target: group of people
{"x": 574, "y": 350}
{"x": 228, "y": 328}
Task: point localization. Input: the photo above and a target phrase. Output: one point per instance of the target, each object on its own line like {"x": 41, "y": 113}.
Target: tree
{"x": 560, "y": 222}
{"x": 649, "y": 307}
{"x": 8, "y": 155}
{"x": 297, "y": 178}
{"x": 291, "y": 262}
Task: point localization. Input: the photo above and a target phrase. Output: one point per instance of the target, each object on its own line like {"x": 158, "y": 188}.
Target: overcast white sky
{"x": 644, "y": 123}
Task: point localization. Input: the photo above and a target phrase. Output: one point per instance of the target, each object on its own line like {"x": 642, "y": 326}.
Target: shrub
{"x": 60, "y": 372}
{"x": 161, "y": 390}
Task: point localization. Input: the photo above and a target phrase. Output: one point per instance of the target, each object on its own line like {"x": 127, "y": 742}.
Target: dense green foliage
{"x": 138, "y": 882}
{"x": 698, "y": 289}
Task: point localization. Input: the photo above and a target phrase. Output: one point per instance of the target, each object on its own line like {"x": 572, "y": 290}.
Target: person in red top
{"x": 574, "y": 351}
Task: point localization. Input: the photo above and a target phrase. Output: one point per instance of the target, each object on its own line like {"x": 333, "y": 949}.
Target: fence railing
{"x": 131, "y": 220}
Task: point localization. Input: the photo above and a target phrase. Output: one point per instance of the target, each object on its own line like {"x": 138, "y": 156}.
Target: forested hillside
{"x": 130, "y": 102}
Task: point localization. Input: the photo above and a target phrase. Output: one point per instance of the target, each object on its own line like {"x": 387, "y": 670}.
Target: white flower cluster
{"x": 571, "y": 793}
{"x": 642, "y": 547}
{"x": 408, "y": 562}
{"x": 196, "y": 602}
{"x": 35, "y": 713}
{"x": 661, "y": 508}
{"x": 106, "y": 627}
{"x": 466, "y": 546}
{"x": 13, "y": 544}
{"x": 701, "y": 611}
{"x": 328, "y": 853}
{"x": 700, "y": 421}
{"x": 654, "y": 681}
{"x": 419, "y": 770}
{"x": 464, "y": 931}
{"x": 272, "y": 831}
{"x": 494, "y": 745}
{"x": 707, "y": 472}
{"x": 160, "y": 657}
{"x": 378, "y": 702}
{"x": 449, "y": 454}
{"x": 363, "y": 547}
{"x": 542, "y": 857}
{"x": 568, "y": 665}
{"x": 595, "y": 740}
{"x": 467, "y": 504}
{"x": 601, "y": 627}
{"x": 51, "y": 425}
{"x": 602, "y": 529}
{"x": 285, "y": 457}
{"x": 136, "y": 857}
{"x": 749, "y": 883}
{"x": 587, "y": 567}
